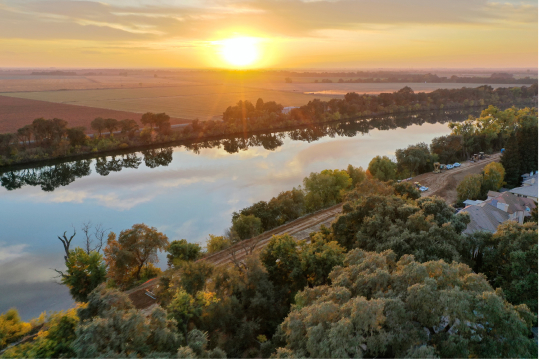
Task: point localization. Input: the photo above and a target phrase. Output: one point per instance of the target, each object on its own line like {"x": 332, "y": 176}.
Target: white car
{"x": 449, "y": 167}
{"x": 456, "y": 164}
{"x": 423, "y": 188}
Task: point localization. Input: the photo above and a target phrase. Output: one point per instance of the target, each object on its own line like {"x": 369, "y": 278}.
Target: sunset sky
{"x": 272, "y": 33}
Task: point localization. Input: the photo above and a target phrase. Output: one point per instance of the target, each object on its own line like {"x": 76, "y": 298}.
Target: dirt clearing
{"x": 445, "y": 184}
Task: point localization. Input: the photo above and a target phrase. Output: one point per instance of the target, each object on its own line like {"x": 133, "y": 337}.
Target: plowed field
{"x": 17, "y": 112}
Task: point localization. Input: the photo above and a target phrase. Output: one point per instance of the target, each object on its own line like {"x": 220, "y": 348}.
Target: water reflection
{"x": 50, "y": 177}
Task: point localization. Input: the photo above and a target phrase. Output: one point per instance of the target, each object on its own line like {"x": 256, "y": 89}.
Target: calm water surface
{"x": 184, "y": 192}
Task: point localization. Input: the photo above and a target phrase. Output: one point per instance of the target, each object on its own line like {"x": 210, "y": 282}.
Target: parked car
{"x": 423, "y": 188}
{"x": 456, "y": 164}
{"x": 449, "y": 167}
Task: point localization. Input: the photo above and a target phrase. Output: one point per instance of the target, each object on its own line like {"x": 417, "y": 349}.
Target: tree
{"x": 192, "y": 276}
{"x": 148, "y": 118}
{"x": 493, "y": 175}
{"x": 511, "y": 162}
{"x": 406, "y": 190}
{"x": 246, "y": 227}
{"x": 382, "y": 168}
{"x": 186, "y": 308}
{"x": 134, "y": 248}
{"x": 319, "y": 257}
{"x": 85, "y": 271}
{"x": 357, "y": 174}
{"x": 180, "y": 251}
{"x": 414, "y": 159}
{"x": 111, "y": 327}
{"x": 129, "y": 127}
{"x": 76, "y": 136}
{"x": 448, "y": 148}
{"x": 111, "y": 124}
{"x": 281, "y": 258}
{"x": 162, "y": 122}
{"x": 53, "y": 339}
{"x": 325, "y": 189}
{"x": 377, "y": 306}
{"x": 25, "y": 134}
{"x": 98, "y": 125}
{"x": 12, "y": 327}
{"x": 509, "y": 260}
{"x": 469, "y": 187}
{"x": 216, "y": 244}
{"x": 427, "y": 229}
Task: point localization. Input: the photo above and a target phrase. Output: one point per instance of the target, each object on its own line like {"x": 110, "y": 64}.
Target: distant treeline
{"x": 46, "y": 139}
{"x": 496, "y": 78}
{"x": 55, "y": 73}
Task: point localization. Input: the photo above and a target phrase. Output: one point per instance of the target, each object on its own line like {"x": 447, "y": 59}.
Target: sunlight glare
{"x": 240, "y": 51}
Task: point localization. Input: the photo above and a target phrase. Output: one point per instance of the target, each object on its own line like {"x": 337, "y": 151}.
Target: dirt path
{"x": 445, "y": 184}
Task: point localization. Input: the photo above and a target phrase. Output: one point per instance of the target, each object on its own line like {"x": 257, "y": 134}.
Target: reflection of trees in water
{"x": 47, "y": 177}
{"x": 52, "y": 177}
{"x": 158, "y": 157}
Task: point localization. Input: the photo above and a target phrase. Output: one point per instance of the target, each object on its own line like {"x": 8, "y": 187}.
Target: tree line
{"x": 52, "y": 176}
{"x": 513, "y": 129}
{"x": 45, "y": 139}
{"x": 495, "y": 78}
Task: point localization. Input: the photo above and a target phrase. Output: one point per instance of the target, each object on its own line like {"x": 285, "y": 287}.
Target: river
{"x": 185, "y": 191}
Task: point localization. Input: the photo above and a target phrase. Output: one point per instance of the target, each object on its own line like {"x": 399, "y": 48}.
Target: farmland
{"x": 16, "y": 112}
{"x": 193, "y": 101}
{"x": 191, "y": 96}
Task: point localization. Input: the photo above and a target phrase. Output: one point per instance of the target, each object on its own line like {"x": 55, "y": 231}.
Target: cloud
{"x": 121, "y": 20}
{"x": 10, "y": 252}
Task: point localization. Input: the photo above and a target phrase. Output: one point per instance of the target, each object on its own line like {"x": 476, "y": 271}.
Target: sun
{"x": 240, "y": 51}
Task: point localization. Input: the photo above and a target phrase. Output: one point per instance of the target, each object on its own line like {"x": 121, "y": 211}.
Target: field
{"x": 193, "y": 101}
{"x": 15, "y": 113}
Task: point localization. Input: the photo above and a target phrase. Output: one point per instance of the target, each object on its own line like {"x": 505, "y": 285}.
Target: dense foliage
{"x": 379, "y": 306}
{"x": 509, "y": 260}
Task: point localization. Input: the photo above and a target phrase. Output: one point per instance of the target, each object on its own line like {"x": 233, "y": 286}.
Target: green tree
{"x": 98, "y": 125}
{"x": 134, "y": 248}
{"x": 318, "y": 258}
{"x": 428, "y": 228}
{"x": 111, "y": 327}
{"x": 357, "y": 174}
{"x": 246, "y": 227}
{"x": 325, "y": 189}
{"x": 509, "y": 260}
{"x": 128, "y": 127}
{"x": 186, "y": 308}
{"x": 192, "y": 276}
{"x": 148, "y": 118}
{"x": 76, "y": 136}
{"x": 216, "y": 244}
{"x": 414, "y": 159}
{"x": 85, "y": 271}
{"x": 511, "y": 162}
{"x": 111, "y": 124}
{"x": 181, "y": 251}
{"x": 382, "y": 168}
{"x": 281, "y": 258}
{"x": 377, "y": 306}
{"x": 406, "y": 190}
{"x": 469, "y": 187}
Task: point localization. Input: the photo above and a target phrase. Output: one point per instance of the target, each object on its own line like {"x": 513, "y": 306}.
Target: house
{"x": 487, "y": 215}
{"x": 528, "y": 189}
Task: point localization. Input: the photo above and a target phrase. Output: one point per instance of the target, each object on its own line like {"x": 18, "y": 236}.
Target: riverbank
{"x": 121, "y": 145}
